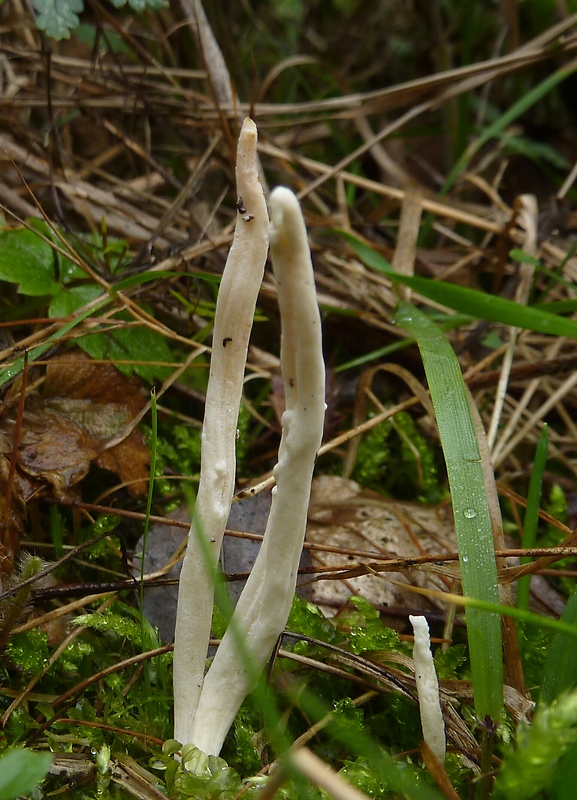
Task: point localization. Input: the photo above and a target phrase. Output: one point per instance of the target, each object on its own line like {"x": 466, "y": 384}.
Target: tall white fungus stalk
{"x": 264, "y": 605}
{"x": 234, "y": 314}
{"x": 205, "y": 707}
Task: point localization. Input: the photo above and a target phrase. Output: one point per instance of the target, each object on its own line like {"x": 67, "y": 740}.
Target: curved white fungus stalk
{"x": 264, "y": 605}
{"x": 428, "y": 689}
{"x": 234, "y": 313}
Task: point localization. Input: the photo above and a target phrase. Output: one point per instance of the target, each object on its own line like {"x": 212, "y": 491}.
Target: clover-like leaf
{"x": 58, "y": 17}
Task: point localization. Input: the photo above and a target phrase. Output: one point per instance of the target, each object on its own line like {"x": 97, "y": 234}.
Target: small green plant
{"x": 59, "y": 18}
{"x": 33, "y": 258}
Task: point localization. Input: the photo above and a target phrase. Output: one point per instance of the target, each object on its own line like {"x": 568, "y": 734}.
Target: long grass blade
{"x": 470, "y": 506}
{"x": 559, "y": 674}
{"x": 497, "y": 128}
{"x": 469, "y": 301}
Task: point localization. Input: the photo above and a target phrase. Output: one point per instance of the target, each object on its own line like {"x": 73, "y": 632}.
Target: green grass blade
{"x": 471, "y": 509}
{"x": 529, "y": 617}
{"x": 449, "y": 322}
{"x": 470, "y": 301}
{"x": 497, "y": 128}
{"x": 532, "y": 513}
{"x": 559, "y": 674}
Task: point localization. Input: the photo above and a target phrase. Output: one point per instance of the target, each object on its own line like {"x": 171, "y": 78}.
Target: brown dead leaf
{"x": 84, "y": 406}
{"x": 102, "y": 402}
{"x": 55, "y": 449}
{"x": 344, "y": 515}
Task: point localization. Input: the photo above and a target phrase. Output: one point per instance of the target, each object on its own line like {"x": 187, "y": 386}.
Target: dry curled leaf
{"x": 84, "y": 406}
{"x": 103, "y": 402}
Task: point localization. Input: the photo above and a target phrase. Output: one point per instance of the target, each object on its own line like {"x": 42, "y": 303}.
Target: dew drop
{"x": 470, "y": 513}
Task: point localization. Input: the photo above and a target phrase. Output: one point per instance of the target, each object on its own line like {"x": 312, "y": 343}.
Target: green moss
{"x": 110, "y": 622}
{"x": 365, "y": 630}
{"x": 177, "y": 454}
{"x": 307, "y": 619}
{"x": 395, "y": 458}
{"x": 530, "y": 768}
{"x": 449, "y": 661}
{"x": 29, "y": 651}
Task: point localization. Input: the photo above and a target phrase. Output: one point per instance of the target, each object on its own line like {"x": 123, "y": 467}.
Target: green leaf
{"x": 139, "y": 344}
{"x": 27, "y": 260}
{"x": 34, "y": 353}
{"x": 469, "y": 301}
{"x": 21, "y": 771}
{"x": 309, "y": 620}
{"x": 67, "y": 301}
{"x": 470, "y": 505}
{"x": 58, "y": 17}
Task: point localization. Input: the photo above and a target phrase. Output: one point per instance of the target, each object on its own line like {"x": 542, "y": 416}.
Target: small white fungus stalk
{"x": 233, "y": 320}
{"x": 264, "y": 605}
{"x": 428, "y": 689}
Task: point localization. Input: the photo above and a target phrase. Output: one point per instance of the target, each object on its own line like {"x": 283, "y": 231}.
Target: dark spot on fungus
{"x": 226, "y": 340}
{"x": 240, "y": 206}
{"x": 247, "y": 217}
{"x": 291, "y": 382}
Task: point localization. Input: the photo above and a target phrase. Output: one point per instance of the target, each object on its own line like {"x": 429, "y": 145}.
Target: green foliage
{"x": 21, "y": 771}
{"x": 28, "y": 260}
{"x": 29, "y": 651}
{"x": 559, "y": 671}
{"x": 177, "y": 453}
{"x": 73, "y": 657}
{"x": 243, "y": 438}
{"x": 365, "y": 630}
{"x": 308, "y": 619}
{"x": 395, "y": 458}
{"x": 246, "y": 738}
{"x": 208, "y": 777}
{"x": 449, "y": 661}
{"x": 140, "y": 5}
{"x": 58, "y": 18}
{"x": 473, "y": 524}
{"x": 535, "y": 644}
{"x": 105, "y": 523}
{"x": 565, "y": 777}
{"x": 374, "y": 782}
{"x": 139, "y": 344}
{"x": 109, "y": 621}
{"x": 557, "y": 506}
{"x": 530, "y": 768}
{"x": 473, "y": 302}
